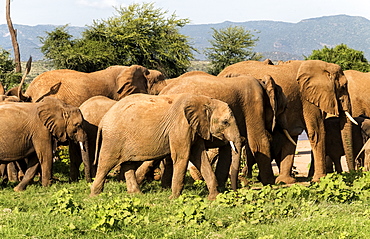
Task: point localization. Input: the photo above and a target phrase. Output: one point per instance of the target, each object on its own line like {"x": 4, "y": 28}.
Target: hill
{"x": 277, "y": 40}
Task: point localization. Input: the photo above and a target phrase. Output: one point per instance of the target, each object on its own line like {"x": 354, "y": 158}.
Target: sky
{"x": 83, "y": 12}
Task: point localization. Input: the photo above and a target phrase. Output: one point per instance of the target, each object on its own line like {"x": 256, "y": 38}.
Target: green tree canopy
{"x": 347, "y": 58}
{"x": 139, "y": 34}
{"x": 8, "y": 77}
{"x": 229, "y": 46}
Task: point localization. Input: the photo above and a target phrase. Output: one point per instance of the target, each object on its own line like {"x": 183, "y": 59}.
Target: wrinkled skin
{"x": 334, "y": 147}
{"x": 313, "y": 89}
{"x": 256, "y": 104}
{"x": 93, "y": 111}
{"x": 73, "y": 87}
{"x": 31, "y": 134}
{"x": 358, "y": 88}
{"x": 143, "y": 127}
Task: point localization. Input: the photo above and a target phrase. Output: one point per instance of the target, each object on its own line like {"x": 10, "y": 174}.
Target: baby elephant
{"x": 144, "y": 127}
{"x": 27, "y": 130}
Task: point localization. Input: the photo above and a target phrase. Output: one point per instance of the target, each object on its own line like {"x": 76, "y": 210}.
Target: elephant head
{"x": 214, "y": 118}
{"x": 132, "y": 80}
{"x": 63, "y": 121}
{"x": 324, "y": 85}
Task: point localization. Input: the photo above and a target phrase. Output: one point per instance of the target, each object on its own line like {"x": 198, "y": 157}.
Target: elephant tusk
{"x": 350, "y": 118}
{"x": 82, "y": 146}
{"x": 233, "y": 146}
{"x": 289, "y": 137}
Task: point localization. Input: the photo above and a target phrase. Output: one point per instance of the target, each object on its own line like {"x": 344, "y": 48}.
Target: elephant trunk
{"x": 82, "y": 139}
{"x": 234, "y": 138}
{"x": 346, "y": 133}
{"x": 86, "y": 160}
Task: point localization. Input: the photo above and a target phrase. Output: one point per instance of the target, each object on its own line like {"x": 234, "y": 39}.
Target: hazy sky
{"x": 83, "y": 12}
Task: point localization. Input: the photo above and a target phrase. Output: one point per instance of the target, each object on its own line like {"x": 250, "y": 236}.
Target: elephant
{"x": 73, "y": 87}
{"x": 334, "y": 146}
{"x": 28, "y": 130}
{"x": 144, "y": 127}
{"x": 359, "y": 93}
{"x": 314, "y": 89}
{"x": 256, "y": 104}
{"x": 92, "y": 111}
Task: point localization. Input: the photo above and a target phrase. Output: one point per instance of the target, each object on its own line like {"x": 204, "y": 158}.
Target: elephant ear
{"x": 52, "y": 114}
{"x": 269, "y": 86}
{"x": 132, "y": 80}
{"x": 198, "y": 115}
{"x": 317, "y": 84}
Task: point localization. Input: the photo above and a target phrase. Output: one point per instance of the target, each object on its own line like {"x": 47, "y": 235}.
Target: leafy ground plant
{"x": 64, "y": 210}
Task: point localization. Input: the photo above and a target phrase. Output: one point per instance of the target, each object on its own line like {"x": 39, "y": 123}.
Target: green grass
{"x": 336, "y": 208}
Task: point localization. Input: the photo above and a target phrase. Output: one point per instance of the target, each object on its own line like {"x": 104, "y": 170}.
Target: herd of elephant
{"x": 132, "y": 117}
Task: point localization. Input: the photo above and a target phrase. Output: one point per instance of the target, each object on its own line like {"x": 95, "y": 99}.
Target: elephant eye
{"x": 225, "y": 122}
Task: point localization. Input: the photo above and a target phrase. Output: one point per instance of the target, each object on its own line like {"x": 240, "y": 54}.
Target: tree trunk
{"x": 13, "y": 34}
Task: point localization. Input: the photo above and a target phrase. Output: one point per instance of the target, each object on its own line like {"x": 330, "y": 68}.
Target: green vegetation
{"x": 347, "y": 58}
{"x": 139, "y": 34}
{"x": 8, "y": 77}
{"x": 338, "y": 207}
{"x": 230, "y": 45}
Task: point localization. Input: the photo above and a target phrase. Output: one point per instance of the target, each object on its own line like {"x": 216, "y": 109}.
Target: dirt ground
{"x": 302, "y": 159}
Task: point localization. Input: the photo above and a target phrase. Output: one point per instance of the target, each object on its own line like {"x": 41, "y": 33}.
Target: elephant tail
{"x": 98, "y": 144}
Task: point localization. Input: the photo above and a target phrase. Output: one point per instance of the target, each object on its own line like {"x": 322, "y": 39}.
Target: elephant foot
{"x": 93, "y": 194}
{"x": 19, "y": 188}
{"x": 285, "y": 179}
{"x": 316, "y": 178}
{"x": 174, "y": 196}
{"x": 212, "y": 196}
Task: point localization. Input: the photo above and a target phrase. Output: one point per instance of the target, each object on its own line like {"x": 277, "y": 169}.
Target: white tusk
{"x": 289, "y": 137}
{"x": 233, "y": 146}
{"x": 350, "y": 118}
{"x": 82, "y": 146}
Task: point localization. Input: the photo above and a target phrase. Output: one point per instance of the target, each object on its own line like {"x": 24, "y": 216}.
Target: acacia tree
{"x": 138, "y": 34}
{"x": 230, "y": 45}
{"x": 347, "y": 58}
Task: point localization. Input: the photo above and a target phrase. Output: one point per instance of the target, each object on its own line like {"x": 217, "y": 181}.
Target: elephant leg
{"x": 33, "y": 164}
{"x": 129, "y": 168}
{"x": 12, "y": 172}
{"x": 75, "y": 161}
{"x": 250, "y": 161}
{"x": 367, "y": 160}
{"x": 104, "y": 166}
{"x": 166, "y": 172}
{"x": 337, "y": 165}
{"x": 201, "y": 161}
{"x": 312, "y": 167}
{"x": 329, "y": 164}
{"x": 286, "y": 162}
{"x": 223, "y": 166}
{"x": 142, "y": 171}
{"x": 22, "y": 167}
{"x": 316, "y": 134}
{"x": 260, "y": 147}
{"x": 4, "y": 173}
{"x": 180, "y": 159}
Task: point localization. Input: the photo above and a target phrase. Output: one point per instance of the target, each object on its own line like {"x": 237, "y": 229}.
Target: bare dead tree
{"x": 13, "y": 34}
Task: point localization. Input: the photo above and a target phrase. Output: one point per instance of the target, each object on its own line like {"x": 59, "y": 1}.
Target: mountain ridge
{"x": 278, "y": 40}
